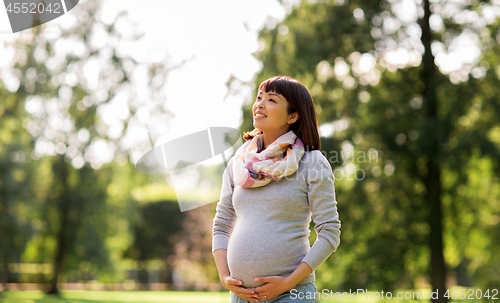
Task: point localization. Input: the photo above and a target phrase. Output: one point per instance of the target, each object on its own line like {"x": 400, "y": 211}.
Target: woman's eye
{"x": 259, "y": 98}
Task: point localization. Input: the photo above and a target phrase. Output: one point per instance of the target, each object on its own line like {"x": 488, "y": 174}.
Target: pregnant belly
{"x": 251, "y": 255}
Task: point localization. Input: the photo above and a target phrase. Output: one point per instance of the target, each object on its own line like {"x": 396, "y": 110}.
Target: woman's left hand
{"x": 275, "y": 286}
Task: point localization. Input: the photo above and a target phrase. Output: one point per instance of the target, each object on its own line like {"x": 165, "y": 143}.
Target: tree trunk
{"x": 61, "y": 170}
{"x": 5, "y": 273}
{"x": 432, "y": 180}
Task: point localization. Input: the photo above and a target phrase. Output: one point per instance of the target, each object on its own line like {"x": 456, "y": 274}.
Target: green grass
{"x": 88, "y": 296}
{"x": 115, "y": 297}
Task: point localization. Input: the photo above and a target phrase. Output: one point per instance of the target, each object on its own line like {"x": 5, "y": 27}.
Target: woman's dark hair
{"x": 299, "y": 100}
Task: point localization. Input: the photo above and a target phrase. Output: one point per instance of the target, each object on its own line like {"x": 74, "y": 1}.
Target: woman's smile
{"x": 259, "y": 115}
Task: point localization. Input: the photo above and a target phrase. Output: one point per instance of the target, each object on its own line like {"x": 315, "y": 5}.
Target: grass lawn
{"x": 77, "y": 296}
{"x": 115, "y": 297}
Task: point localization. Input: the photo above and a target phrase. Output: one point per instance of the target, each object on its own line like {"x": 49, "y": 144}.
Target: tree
{"x": 156, "y": 233}
{"x": 16, "y": 173}
{"x": 371, "y": 68}
{"x": 66, "y": 84}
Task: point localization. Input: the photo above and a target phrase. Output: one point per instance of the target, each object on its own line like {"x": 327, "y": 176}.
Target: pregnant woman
{"x": 275, "y": 183}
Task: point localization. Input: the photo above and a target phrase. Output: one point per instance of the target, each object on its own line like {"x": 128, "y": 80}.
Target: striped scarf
{"x": 281, "y": 158}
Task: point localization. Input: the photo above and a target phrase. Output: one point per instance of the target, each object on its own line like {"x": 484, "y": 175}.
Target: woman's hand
{"x": 234, "y": 285}
{"x": 275, "y": 286}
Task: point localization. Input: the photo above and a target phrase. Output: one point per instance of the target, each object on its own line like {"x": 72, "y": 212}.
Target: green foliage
{"x": 157, "y": 231}
{"x": 17, "y": 172}
{"x": 60, "y": 202}
{"x": 386, "y": 226}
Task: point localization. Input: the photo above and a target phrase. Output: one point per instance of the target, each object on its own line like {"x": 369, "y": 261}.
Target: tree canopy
{"x": 387, "y": 76}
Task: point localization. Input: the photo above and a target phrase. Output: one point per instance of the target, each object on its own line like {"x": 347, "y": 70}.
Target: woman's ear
{"x": 293, "y": 118}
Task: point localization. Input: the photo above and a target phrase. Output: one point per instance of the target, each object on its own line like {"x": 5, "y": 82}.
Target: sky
{"x": 216, "y": 39}
{"x": 212, "y": 37}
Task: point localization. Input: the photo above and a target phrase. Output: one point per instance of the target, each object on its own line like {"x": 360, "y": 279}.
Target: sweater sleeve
{"x": 225, "y": 216}
{"x": 323, "y": 205}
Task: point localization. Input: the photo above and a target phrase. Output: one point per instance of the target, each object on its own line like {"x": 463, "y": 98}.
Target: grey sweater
{"x": 265, "y": 229}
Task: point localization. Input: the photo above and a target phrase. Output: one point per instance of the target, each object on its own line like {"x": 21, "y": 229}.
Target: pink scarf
{"x": 253, "y": 169}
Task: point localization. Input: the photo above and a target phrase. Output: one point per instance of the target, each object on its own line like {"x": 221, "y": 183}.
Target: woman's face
{"x": 275, "y": 117}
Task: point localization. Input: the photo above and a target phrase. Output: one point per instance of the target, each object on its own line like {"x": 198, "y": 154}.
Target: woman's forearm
{"x": 220, "y": 256}
{"x": 298, "y": 274}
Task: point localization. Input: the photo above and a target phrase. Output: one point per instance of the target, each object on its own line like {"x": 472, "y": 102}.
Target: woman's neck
{"x": 268, "y": 138}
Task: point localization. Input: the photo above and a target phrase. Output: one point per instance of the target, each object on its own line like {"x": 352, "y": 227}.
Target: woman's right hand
{"x": 234, "y": 285}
